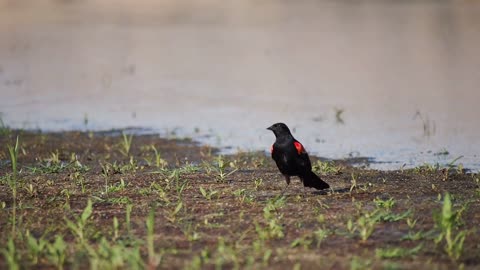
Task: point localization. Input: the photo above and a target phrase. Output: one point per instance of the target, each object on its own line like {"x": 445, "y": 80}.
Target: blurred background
{"x": 395, "y": 81}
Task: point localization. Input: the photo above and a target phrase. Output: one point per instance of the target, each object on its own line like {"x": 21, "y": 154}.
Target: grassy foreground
{"x": 92, "y": 200}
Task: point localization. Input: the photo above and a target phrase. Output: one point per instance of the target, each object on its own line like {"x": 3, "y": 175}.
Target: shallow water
{"x": 397, "y": 81}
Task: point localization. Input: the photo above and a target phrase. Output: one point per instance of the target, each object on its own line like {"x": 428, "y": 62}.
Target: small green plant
{"x": 393, "y": 217}
{"x": 365, "y": 226}
{"x": 30, "y": 189}
{"x": 411, "y": 223}
{"x": 386, "y": 204}
{"x": 429, "y": 168}
{"x": 116, "y": 187}
{"x": 451, "y": 165}
{"x": 383, "y": 211}
{"x": 115, "y": 256}
{"x": 105, "y": 173}
{"x": 172, "y": 215}
{"x": 326, "y": 168}
{"x": 258, "y": 161}
{"x": 272, "y": 228}
{"x": 239, "y": 192}
{"x": 258, "y": 183}
{"x": 225, "y": 254}
{"x": 304, "y": 241}
{"x": 274, "y": 204}
{"x": 115, "y": 228}
{"x": 119, "y": 200}
{"x": 208, "y": 194}
{"x": 53, "y": 164}
{"x": 350, "y": 228}
{"x": 320, "y": 235}
{"x": 77, "y": 166}
{"x": 78, "y": 227}
{"x": 35, "y": 247}
{"x": 242, "y": 195}
{"x": 446, "y": 221}
{"x": 353, "y": 182}
{"x": 49, "y": 167}
{"x": 12, "y": 183}
{"x": 419, "y": 235}
{"x": 397, "y": 252}
{"x": 56, "y": 252}
{"x": 128, "y": 214}
{"x": 54, "y": 158}
{"x": 162, "y": 194}
{"x": 190, "y": 231}
{"x": 180, "y": 186}
{"x": 11, "y": 255}
{"x": 154, "y": 259}
{"x": 221, "y": 168}
{"x": 199, "y": 260}
{"x": 65, "y": 192}
{"x": 159, "y": 161}
{"x": 109, "y": 169}
{"x": 126, "y": 144}
{"x": 133, "y": 258}
{"x": 189, "y": 168}
{"x": 79, "y": 179}
{"x": 107, "y": 255}
{"x": 358, "y": 263}
{"x": 118, "y": 168}
{"x": 174, "y": 181}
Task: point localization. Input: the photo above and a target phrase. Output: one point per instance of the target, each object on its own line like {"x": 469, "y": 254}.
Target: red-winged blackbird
{"x": 292, "y": 159}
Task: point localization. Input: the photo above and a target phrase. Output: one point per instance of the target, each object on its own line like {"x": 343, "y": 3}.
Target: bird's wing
{"x": 299, "y": 147}
{"x": 303, "y": 159}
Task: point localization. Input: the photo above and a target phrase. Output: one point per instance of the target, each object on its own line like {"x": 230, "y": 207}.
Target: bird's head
{"x": 279, "y": 129}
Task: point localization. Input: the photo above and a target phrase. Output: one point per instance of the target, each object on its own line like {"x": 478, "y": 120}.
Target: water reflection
{"x": 404, "y": 74}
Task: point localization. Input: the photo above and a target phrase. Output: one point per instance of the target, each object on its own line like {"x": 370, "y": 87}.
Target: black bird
{"x": 292, "y": 158}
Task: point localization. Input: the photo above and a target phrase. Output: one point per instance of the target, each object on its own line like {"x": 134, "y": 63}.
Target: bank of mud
{"x": 210, "y": 211}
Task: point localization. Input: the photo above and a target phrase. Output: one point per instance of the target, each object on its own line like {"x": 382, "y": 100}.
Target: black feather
{"x": 292, "y": 159}
{"x": 312, "y": 180}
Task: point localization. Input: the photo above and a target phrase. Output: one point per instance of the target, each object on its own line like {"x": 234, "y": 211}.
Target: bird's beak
{"x": 270, "y": 128}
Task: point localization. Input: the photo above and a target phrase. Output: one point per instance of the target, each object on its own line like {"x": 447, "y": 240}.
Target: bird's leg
{"x": 287, "y": 179}
{"x": 303, "y": 184}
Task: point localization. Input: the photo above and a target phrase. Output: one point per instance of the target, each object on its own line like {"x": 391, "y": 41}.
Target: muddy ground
{"x": 173, "y": 204}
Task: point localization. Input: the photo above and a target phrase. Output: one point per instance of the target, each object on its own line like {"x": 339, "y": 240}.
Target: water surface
{"x": 397, "y": 81}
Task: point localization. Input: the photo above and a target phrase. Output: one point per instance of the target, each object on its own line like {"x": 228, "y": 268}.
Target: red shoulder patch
{"x": 271, "y": 149}
{"x": 299, "y": 147}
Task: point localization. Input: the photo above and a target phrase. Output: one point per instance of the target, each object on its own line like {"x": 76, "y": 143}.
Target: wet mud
{"x": 211, "y": 211}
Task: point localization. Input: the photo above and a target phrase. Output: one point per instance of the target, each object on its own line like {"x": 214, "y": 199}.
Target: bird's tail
{"x": 312, "y": 180}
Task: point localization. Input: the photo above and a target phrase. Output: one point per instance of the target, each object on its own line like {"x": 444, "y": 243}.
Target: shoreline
{"x": 211, "y": 210}
{"x": 354, "y": 158}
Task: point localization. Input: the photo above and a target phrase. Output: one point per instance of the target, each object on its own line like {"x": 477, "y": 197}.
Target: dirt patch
{"x": 175, "y": 204}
